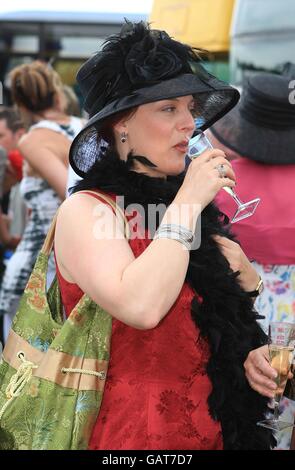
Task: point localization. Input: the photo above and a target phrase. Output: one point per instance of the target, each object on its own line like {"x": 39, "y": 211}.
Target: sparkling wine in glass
{"x": 281, "y": 351}
{"x": 197, "y": 145}
{"x": 289, "y": 391}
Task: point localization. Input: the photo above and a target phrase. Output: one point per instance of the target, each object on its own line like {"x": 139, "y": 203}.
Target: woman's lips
{"x": 183, "y": 148}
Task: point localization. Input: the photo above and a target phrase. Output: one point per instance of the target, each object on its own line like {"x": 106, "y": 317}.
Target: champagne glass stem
{"x": 234, "y": 195}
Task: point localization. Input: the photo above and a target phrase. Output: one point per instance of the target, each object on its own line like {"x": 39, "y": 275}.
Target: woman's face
{"x": 160, "y": 131}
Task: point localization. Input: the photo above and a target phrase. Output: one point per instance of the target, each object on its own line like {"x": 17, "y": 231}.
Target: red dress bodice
{"x": 157, "y": 387}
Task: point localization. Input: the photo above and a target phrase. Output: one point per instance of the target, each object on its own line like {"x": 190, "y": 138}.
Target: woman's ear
{"x": 120, "y": 127}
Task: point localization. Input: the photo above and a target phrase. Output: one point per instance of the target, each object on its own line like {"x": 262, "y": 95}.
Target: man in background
{"x": 12, "y": 225}
{"x": 11, "y": 130}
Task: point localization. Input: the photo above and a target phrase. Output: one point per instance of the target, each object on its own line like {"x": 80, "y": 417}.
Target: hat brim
{"x": 258, "y": 143}
{"x": 214, "y": 97}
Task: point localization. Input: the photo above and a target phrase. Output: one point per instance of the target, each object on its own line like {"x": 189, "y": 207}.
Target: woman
{"x": 37, "y": 91}
{"x": 182, "y": 320}
{"x": 261, "y": 130}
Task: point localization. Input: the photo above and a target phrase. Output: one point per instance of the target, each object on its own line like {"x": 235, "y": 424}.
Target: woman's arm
{"x": 42, "y": 150}
{"x": 140, "y": 291}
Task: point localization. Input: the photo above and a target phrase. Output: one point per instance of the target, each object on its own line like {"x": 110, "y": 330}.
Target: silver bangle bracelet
{"x": 182, "y": 231}
{"x": 173, "y": 236}
{"x": 176, "y": 232}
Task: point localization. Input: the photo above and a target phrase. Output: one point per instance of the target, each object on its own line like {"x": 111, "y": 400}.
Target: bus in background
{"x": 64, "y": 38}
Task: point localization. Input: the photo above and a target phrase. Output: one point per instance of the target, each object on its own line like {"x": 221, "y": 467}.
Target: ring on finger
{"x": 221, "y": 170}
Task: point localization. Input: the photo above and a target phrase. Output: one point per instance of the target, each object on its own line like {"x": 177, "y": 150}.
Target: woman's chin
{"x": 177, "y": 169}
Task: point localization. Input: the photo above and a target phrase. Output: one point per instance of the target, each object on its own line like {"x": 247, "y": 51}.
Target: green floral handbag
{"x": 53, "y": 371}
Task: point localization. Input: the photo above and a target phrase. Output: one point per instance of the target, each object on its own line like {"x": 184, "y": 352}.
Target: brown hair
{"x": 12, "y": 119}
{"x": 35, "y": 86}
{"x": 105, "y": 130}
{"x": 72, "y": 102}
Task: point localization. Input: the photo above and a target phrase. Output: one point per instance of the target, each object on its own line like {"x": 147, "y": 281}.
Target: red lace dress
{"x": 157, "y": 387}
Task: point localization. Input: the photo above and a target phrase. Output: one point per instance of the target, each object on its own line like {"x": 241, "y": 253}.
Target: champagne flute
{"x": 197, "y": 145}
{"x": 281, "y": 350}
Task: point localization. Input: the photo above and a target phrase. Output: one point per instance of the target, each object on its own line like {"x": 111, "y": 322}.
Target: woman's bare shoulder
{"x": 82, "y": 205}
{"x": 39, "y": 136}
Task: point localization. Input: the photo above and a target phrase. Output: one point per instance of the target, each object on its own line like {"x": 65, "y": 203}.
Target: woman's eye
{"x": 169, "y": 108}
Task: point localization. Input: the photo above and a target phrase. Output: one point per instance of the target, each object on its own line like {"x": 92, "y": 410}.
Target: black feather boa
{"x": 226, "y": 317}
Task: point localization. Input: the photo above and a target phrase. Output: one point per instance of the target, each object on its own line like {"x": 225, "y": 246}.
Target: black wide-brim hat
{"x": 137, "y": 67}
{"x": 262, "y": 126}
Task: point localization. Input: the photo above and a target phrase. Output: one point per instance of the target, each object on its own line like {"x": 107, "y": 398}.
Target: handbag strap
{"x": 48, "y": 242}
{"x": 117, "y": 209}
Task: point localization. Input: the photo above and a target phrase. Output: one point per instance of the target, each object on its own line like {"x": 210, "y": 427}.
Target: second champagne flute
{"x": 281, "y": 350}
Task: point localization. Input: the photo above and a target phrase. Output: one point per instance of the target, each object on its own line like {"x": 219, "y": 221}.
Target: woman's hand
{"x": 248, "y": 278}
{"x": 202, "y": 180}
{"x": 259, "y": 372}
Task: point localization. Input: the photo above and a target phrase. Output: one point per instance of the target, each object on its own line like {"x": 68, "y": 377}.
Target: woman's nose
{"x": 187, "y": 122}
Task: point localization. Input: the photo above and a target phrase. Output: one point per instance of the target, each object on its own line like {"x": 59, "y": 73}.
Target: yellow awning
{"x": 200, "y": 23}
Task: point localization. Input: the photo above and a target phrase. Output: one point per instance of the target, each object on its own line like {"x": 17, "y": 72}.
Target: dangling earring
{"x": 123, "y": 137}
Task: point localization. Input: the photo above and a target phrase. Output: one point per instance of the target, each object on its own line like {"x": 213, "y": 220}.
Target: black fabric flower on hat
{"x": 135, "y": 58}
{"x": 149, "y": 60}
